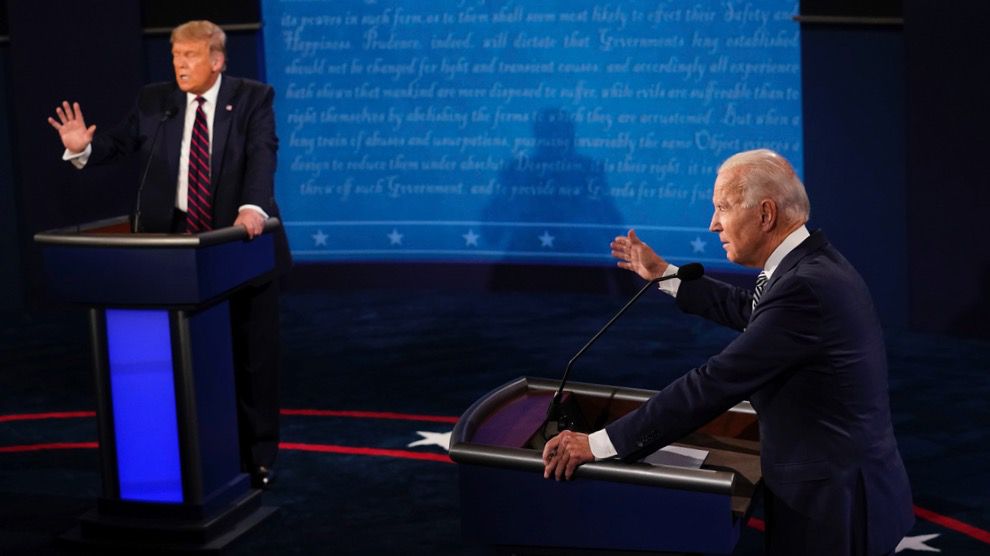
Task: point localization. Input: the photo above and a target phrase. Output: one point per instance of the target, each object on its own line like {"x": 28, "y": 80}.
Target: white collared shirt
{"x": 789, "y": 244}
{"x": 601, "y": 445}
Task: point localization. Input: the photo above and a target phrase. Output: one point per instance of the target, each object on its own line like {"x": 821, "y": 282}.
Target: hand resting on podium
{"x": 564, "y": 452}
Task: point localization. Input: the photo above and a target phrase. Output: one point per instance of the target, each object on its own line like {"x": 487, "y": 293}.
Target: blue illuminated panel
{"x": 143, "y": 393}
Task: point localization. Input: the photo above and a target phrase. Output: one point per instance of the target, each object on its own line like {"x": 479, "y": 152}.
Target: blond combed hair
{"x": 202, "y": 30}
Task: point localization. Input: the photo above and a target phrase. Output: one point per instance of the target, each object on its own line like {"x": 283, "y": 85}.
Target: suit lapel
{"x": 222, "y": 117}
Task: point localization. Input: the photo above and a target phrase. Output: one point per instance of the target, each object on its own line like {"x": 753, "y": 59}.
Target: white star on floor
{"x": 698, "y": 245}
{"x": 470, "y": 238}
{"x": 546, "y": 240}
{"x": 917, "y": 542}
{"x": 320, "y": 238}
{"x": 441, "y": 439}
{"x": 394, "y": 238}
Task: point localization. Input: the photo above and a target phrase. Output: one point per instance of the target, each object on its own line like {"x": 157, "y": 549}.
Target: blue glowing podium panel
{"x": 609, "y": 505}
{"x": 146, "y": 432}
{"x": 163, "y": 360}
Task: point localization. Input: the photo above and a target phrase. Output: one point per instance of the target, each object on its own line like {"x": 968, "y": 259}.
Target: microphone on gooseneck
{"x": 555, "y": 411}
{"x": 166, "y": 116}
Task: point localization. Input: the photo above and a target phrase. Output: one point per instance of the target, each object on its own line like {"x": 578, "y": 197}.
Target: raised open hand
{"x": 637, "y": 256}
{"x": 71, "y": 127}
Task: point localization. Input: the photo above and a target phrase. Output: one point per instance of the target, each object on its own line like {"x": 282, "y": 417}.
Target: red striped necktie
{"x": 199, "y": 201}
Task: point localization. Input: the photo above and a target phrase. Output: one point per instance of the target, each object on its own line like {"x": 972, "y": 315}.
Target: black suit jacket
{"x": 812, "y": 361}
{"x": 242, "y": 162}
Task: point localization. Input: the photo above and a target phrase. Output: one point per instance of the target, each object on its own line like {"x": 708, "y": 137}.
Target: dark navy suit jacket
{"x": 242, "y": 165}
{"x": 812, "y": 361}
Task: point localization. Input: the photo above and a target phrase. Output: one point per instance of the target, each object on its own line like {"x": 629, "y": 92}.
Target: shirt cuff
{"x": 601, "y": 445}
{"x": 255, "y": 208}
{"x": 78, "y": 159}
{"x": 669, "y": 287}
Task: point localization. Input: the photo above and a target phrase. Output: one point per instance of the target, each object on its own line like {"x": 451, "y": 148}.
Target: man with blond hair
{"x": 810, "y": 358}
{"x": 208, "y": 143}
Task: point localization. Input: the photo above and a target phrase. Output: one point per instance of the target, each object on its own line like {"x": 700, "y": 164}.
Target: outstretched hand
{"x": 71, "y": 127}
{"x": 637, "y": 256}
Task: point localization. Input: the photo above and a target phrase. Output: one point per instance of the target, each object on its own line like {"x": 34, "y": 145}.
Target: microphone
{"x": 555, "y": 412}
{"x": 166, "y": 116}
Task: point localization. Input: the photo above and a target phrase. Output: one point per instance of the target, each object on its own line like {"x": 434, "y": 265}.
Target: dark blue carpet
{"x": 433, "y": 353}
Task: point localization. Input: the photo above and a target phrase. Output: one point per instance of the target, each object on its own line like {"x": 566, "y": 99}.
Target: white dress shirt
{"x": 601, "y": 444}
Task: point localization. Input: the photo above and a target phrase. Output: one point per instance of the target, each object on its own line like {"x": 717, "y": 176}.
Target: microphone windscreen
{"x": 691, "y": 271}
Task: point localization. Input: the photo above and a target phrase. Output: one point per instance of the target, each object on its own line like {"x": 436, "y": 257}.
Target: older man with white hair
{"x": 810, "y": 358}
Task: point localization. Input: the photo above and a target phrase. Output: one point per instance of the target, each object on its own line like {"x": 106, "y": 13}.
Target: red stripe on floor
{"x": 52, "y": 446}
{"x": 369, "y": 415}
{"x": 303, "y": 412}
{"x": 300, "y": 446}
{"x": 954, "y": 524}
{"x": 754, "y": 523}
{"x": 359, "y": 451}
{"x": 54, "y": 415}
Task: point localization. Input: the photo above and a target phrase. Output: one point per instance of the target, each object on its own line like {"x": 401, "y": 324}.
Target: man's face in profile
{"x": 196, "y": 68}
{"x": 738, "y": 227}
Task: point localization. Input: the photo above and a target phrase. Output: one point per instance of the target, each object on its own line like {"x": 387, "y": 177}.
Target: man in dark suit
{"x": 810, "y": 358}
{"x": 209, "y": 143}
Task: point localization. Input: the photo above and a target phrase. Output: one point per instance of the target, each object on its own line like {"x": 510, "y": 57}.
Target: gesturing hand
{"x": 637, "y": 256}
{"x": 71, "y": 127}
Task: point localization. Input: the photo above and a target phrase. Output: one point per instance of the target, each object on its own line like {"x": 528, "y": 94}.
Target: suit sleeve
{"x": 119, "y": 141}
{"x": 785, "y": 332}
{"x": 261, "y": 145}
{"x": 716, "y": 301}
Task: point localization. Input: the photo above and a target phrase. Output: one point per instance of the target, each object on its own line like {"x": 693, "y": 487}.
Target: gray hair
{"x": 764, "y": 173}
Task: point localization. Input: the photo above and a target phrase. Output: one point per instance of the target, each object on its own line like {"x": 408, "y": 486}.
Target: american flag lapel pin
{"x": 229, "y": 107}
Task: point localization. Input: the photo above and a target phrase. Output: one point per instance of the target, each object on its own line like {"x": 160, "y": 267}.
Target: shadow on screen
{"x": 552, "y": 206}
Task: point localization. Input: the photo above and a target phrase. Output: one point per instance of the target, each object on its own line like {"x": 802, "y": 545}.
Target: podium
{"x": 608, "y": 505}
{"x": 166, "y": 409}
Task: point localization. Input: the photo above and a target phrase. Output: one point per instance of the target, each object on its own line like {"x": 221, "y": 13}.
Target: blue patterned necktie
{"x": 761, "y": 284}
{"x": 199, "y": 201}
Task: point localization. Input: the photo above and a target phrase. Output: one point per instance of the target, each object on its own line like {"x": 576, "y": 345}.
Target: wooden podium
{"x": 609, "y": 505}
{"x": 166, "y": 408}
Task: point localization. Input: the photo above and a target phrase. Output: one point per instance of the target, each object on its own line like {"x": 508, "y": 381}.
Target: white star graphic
{"x": 470, "y": 238}
{"x": 441, "y": 439}
{"x": 394, "y": 238}
{"x": 917, "y": 542}
{"x": 546, "y": 240}
{"x": 320, "y": 238}
{"x": 698, "y": 245}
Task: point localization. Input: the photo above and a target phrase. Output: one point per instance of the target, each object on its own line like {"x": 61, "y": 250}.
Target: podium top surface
{"x": 103, "y": 264}
{"x": 490, "y": 433}
{"x": 115, "y": 232}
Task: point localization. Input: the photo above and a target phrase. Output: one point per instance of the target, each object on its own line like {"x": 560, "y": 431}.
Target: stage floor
{"x": 374, "y": 380}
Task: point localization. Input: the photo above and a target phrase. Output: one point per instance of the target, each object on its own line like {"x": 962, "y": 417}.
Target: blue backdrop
{"x": 517, "y": 131}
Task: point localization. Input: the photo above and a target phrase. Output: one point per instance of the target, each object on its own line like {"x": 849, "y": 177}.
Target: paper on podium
{"x": 677, "y": 456}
